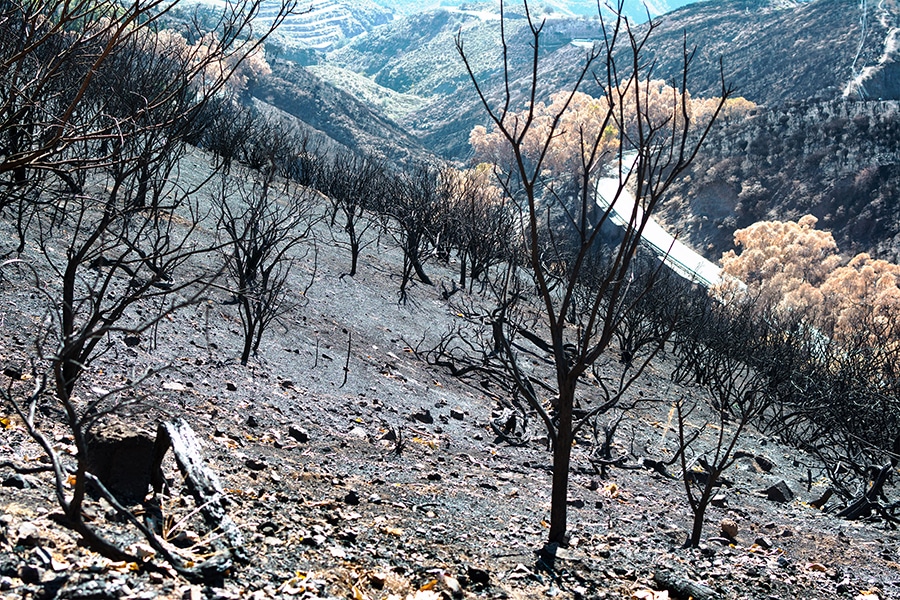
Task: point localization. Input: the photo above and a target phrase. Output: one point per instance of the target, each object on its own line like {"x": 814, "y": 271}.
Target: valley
{"x": 789, "y": 58}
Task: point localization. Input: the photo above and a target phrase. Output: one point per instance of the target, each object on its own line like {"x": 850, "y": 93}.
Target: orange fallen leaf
{"x": 359, "y": 594}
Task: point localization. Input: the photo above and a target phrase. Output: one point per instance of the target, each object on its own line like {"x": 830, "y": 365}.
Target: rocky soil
{"x": 386, "y": 480}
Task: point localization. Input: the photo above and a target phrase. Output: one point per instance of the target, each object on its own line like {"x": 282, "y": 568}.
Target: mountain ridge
{"x": 794, "y": 59}
{"x": 328, "y": 24}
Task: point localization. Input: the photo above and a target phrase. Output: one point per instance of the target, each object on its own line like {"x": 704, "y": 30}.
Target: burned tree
{"x": 413, "y": 213}
{"x": 111, "y": 224}
{"x": 262, "y": 227}
{"x": 479, "y": 223}
{"x": 579, "y": 287}
{"x": 740, "y": 393}
{"x": 355, "y": 185}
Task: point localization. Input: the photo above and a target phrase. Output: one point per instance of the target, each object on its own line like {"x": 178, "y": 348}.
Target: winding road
{"x": 674, "y": 254}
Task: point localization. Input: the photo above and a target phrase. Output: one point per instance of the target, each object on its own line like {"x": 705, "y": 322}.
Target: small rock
{"x": 821, "y": 500}
{"x": 785, "y": 533}
{"x": 143, "y": 551}
{"x": 764, "y": 463}
{"x": 729, "y": 528}
{"x": 254, "y": 464}
{"x": 719, "y": 501}
{"x": 192, "y": 593}
{"x": 783, "y": 562}
{"x": 17, "y": 481}
{"x": 174, "y": 386}
{"x": 377, "y": 580}
{"x": 28, "y": 535}
{"x": 252, "y": 422}
{"x": 268, "y": 528}
{"x": 298, "y": 434}
{"x": 352, "y": 498}
{"x": 456, "y": 414}
{"x": 423, "y": 416}
{"x": 556, "y": 551}
{"x": 121, "y": 455}
{"x": 13, "y": 372}
{"x": 576, "y": 503}
{"x": 522, "y": 572}
{"x": 434, "y": 477}
{"x": 479, "y": 576}
{"x": 763, "y": 542}
{"x": 452, "y": 584}
{"x": 780, "y": 492}
{"x": 132, "y": 340}
{"x": 358, "y": 432}
{"x": 30, "y": 574}
{"x": 287, "y": 384}
{"x": 230, "y": 386}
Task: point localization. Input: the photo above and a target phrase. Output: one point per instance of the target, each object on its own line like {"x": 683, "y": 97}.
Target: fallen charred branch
{"x": 868, "y": 502}
{"x": 201, "y": 481}
{"x": 684, "y": 587}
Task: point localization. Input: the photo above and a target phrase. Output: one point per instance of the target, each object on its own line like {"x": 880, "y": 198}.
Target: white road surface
{"x": 673, "y": 253}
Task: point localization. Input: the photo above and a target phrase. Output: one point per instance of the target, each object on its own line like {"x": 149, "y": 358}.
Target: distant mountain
{"x": 417, "y": 55}
{"x": 773, "y": 51}
{"x": 825, "y": 140}
{"x": 824, "y": 74}
{"x": 321, "y": 25}
{"x": 634, "y": 9}
{"x": 334, "y": 115}
{"x": 838, "y": 160}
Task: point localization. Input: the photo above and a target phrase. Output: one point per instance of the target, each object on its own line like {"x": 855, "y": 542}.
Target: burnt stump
{"x": 121, "y": 456}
